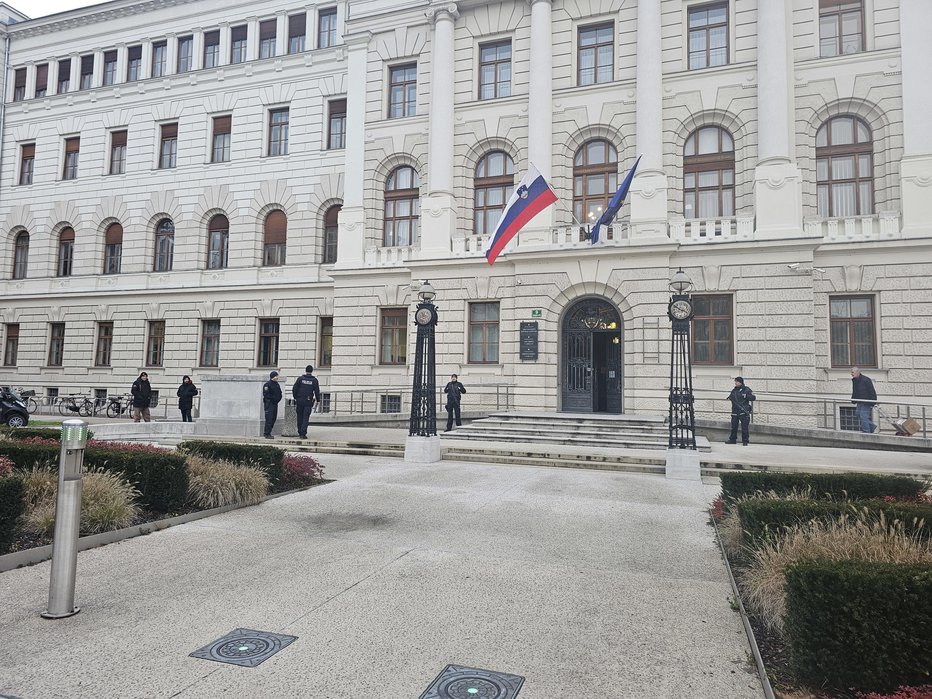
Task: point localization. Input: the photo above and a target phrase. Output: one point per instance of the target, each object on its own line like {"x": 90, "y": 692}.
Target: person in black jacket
{"x": 741, "y": 398}
{"x": 142, "y": 398}
{"x": 186, "y": 392}
{"x": 306, "y": 392}
{"x": 271, "y": 397}
{"x": 864, "y": 398}
{"x": 454, "y": 390}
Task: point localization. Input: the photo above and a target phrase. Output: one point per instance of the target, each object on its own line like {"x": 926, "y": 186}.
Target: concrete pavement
{"x": 592, "y": 585}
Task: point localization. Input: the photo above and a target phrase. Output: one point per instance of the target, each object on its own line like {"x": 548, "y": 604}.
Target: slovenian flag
{"x": 532, "y": 196}
{"x": 615, "y": 204}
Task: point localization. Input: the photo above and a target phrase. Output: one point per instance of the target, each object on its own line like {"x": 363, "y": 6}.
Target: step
{"x": 630, "y": 464}
{"x": 556, "y": 439}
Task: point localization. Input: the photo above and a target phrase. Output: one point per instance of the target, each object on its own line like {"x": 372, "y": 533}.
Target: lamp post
{"x": 423, "y": 421}
{"x": 682, "y": 416}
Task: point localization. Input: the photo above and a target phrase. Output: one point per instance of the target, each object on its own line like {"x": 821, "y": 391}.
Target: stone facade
{"x": 776, "y": 256}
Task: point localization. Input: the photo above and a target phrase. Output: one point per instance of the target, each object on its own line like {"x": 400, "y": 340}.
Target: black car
{"x": 12, "y": 410}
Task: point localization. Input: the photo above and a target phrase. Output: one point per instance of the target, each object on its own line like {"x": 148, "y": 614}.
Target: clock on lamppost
{"x": 423, "y": 422}
{"x": 681, "y": 309}
{"x": 425, "y": 316}
{"x": 682, "y": 416}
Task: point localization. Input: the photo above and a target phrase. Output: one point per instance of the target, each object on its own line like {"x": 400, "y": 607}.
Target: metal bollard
{"x": 67, "y": 520}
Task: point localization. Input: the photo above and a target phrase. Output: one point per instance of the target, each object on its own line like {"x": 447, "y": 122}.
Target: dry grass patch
{"x": 214, "y": 483}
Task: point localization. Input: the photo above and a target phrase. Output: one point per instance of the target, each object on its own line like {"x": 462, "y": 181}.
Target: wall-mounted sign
{"x": 536, "y": 313}
{"x": 528, "y": 341}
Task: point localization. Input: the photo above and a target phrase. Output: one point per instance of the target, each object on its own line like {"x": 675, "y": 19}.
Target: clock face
{"x": 423, "y": 316}
{"x": 681, "y": 310}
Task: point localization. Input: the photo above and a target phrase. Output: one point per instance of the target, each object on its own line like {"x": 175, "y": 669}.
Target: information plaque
{"x": 529, "y": 340}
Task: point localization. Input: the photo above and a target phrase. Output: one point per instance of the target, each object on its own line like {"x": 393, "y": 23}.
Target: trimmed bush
{"x": 21, "y": 433}
{"x": 12, "y": 506}
{"x": 268, "y": 458}
{"x": 854, "y": 486}
{"x": 160, "y": 475}
{"x": 765, "y": 518}
{"x": 218, "y": 483}
{"x": 861, "y": 625}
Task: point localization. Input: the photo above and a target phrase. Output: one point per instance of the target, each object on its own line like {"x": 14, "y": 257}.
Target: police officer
{"x": 271, "y": 397}
{"x": 741, "y": 398}
{"x": 454, "y": 390}
{"x": 306, "y": 392}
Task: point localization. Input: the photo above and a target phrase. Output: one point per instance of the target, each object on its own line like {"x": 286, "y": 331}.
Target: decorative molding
{"x": 436, "y": 12}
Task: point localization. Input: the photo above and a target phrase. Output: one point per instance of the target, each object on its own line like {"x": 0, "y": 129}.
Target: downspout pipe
{"x": 6, "y": 74}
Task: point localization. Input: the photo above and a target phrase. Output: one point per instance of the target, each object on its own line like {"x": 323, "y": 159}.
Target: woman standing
{"x": 186, "y": 392}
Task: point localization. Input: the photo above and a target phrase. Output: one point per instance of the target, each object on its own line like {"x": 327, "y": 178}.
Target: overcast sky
{"x": 40, "y": 8}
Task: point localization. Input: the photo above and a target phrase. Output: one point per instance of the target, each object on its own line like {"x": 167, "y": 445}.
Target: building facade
{"x": 202, "y": 187}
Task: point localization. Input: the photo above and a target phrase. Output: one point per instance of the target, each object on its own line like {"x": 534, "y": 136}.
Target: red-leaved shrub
{"x": 717, "y": 509}
{"x": 300, "y": 471}
{"x": 923, "y": 692}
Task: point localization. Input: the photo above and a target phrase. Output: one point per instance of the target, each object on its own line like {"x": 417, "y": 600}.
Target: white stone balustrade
{"x": 388, "y": 256}
{"x": 714, "y": 230}
{"x": 882, "y": 226}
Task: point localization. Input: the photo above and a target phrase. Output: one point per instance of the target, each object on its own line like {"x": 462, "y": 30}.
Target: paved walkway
{"x": 592, "y": 585}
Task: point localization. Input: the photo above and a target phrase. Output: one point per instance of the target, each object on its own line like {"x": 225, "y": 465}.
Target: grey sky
{"x": 40, "y": 8}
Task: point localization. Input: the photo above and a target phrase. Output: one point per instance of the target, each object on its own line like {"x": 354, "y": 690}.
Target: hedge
{"x": 268, "y": 458}
{"x": 762, "y": 518}
{"x": 160, "y": 476}
{"x": 12, "y": 506}
{"x": 857, "y": 486}
{"x": 41, "y": 432}
{"x": 859, "y": 624}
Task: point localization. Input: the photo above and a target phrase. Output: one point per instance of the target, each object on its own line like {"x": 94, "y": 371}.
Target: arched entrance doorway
{"x": 592, "y": 354}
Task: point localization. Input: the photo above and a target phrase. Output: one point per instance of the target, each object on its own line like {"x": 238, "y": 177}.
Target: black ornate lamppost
{"x": 682, "y": 417}
{"x": 423, "y": 421}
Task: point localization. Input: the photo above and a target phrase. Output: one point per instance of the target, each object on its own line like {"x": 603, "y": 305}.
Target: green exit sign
{"x": 536, "y": 313}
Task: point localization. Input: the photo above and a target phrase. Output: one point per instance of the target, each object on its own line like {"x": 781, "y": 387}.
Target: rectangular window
{"x": 134, "y": 64}
{"x": 325, "y": 354}
{"x": 42, "y": 80}
{"x": 238, "y": 44}
{"x": 64, "y": 76}
{"x": 65, "y": 264}
{"x": 110, "y": 67}
{"x": 159, "y": 59}
{"x": 113, "y": 256}
{"x": 168, "y": 148}
{"x": 712, "y": 330}
{"x": 841, "y": 27}
{"x": 56, "y": 344}
{"x": 495, "y": 70}
{"x": 19, "y": 85}
{"x": 390, "y": 403}
{"x": 278, "y": 132}
{"x": 210, "y": 343}
{"x": 26, "y": 163}
{"x": 402, "y": 100}
{"x": 185, "y": 53}
{"x": 483, "y": 333}
{"x": 118, "y": 152}
{"x": 393, "y": 336}
{"x": 223, "y": 127}
{"x": 297, "y": 29}
{"x": 596, "y": 54}
{"x": 267, "y": 39}
{"x": 212, "y": 49}
{"x": 11, "y": 344}
{"x": 852, "y": 331}
{"x": 327, "y": 28}
{"x": 104, "y": 344}
{"x": 87, "y": 72}
{"x": 268, "y": 342}
{"x": 155, "y": 343}
{"x": 72, "y": 150}
{"x": 336, "y": 125}
{"x": 708, "y": 35}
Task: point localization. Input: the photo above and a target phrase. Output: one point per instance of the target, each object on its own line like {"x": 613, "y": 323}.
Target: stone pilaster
{"x": 916, "y": 166}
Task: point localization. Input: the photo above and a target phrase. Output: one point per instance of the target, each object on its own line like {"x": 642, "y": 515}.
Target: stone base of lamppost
{"x": 683, "y": 465}
{"x": 422, "y": 450}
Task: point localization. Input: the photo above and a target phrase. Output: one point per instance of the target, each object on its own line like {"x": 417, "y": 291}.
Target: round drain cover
{"x": 243, "y": 647}
{"x": 465, "y": 687}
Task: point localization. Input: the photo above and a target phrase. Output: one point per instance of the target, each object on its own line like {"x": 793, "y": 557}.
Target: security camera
{"x": 819, "y": 269}
{"x": 795, "y": 265}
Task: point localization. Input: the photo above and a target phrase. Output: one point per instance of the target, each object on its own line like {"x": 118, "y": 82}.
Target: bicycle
{"x": 118, "y": 405}
{"x": 78, "y": 403}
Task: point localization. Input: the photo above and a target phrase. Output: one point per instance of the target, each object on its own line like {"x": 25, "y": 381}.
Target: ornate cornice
{"x": 88, "y": 16}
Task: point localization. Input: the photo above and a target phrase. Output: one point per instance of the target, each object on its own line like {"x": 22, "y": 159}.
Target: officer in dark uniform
{"x": 271, "y": 397}
{"x": 454, "y": 390}
{"x": 741, "y": 398}
{"x": 306, "y": 392}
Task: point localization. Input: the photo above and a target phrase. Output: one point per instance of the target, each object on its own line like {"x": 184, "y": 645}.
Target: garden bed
{"x": 853, "y": 619}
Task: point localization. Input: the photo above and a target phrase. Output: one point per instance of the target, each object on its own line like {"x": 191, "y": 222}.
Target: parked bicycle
{"x": 80, "y": 404}
{"x": 118, "y": 405}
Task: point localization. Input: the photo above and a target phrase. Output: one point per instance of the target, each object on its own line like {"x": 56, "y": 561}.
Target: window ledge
{"x": 835, "y": 373}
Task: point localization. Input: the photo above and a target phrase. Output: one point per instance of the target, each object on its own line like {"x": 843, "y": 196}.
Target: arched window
{"x": 402, "y": 207}
{"x": 164, "y": 245}
{"x": 845, "y": 167}
{"x": 65, "y": 252}
{"x": 276, "y": 239}
{"x": 595, "y": 179}
{"x": 113, "y": 248}
{"x": 20, "y": 255}
{"x": 495, "y": 176}
{"x": 709, "y": 174}
{"x": 218, "y": 242}
{"x": 331, "y": 228}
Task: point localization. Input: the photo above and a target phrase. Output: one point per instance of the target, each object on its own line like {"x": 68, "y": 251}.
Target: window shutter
{"x": 66, "y": 234}
{"x": 29, "y": 151}
{"x": 297, "y": 25}
{"x": 42, "y": 77}
{"x": 276, "y": 228}
{"x": 118, "y": 138}
{"x": 169, "y": 131}
{"x": 218, "y": 223}
{"x": 20, "y": 77}
{"x": 223, "y": 124}
{"x": 72, "y": 145}
{"x": 337, "y": 107}
{"x": 114, "y": 234}
{"x": 267, "y": 29}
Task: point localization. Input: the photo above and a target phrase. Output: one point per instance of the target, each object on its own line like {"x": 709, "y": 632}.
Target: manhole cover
{"x": 245, "y": 647}
{"x": 458, "y": 682}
